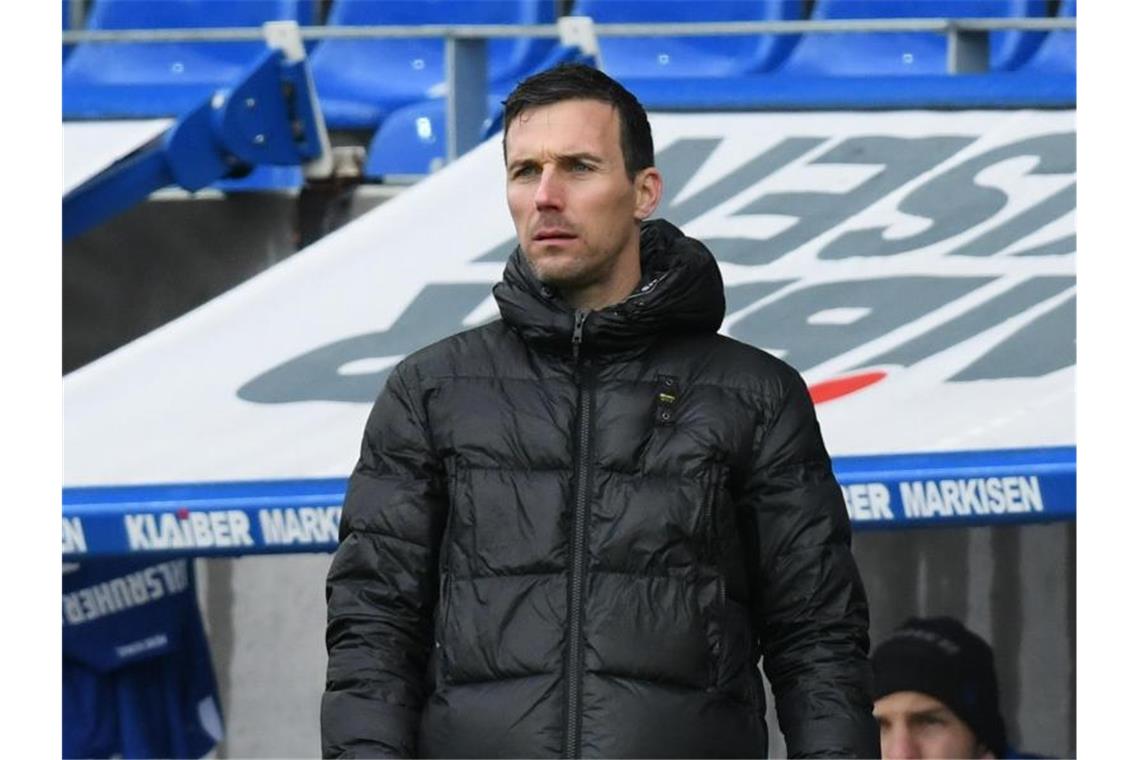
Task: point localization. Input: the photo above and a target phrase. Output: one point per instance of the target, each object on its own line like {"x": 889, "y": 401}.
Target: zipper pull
{"x": 579, "y": 323}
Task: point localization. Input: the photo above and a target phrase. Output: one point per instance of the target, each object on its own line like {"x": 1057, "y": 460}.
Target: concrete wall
{"x": 266, "y": 620}
{"x": 163, "y": 258}
{"x": 1013, "y": 585}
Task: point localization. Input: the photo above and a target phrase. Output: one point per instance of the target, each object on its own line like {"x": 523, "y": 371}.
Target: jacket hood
{"x": 680, "y": 291}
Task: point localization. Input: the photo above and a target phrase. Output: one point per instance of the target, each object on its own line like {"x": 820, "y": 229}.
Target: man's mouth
{"x": 550, "y": 233}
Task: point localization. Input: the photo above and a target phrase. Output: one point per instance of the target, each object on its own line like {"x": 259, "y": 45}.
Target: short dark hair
{"x": 574, "y": 81}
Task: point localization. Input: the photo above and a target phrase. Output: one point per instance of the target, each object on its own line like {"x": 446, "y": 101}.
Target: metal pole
{"x": 75, "y": 14}
{"x": 505, "y": 31}
{"x": 967, "y": 52}
{"x": 465, "y": 63}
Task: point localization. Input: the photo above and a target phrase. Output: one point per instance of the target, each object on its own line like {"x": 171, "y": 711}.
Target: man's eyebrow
{"x": 561, "y": 158}
{"x": 580, "y": 156}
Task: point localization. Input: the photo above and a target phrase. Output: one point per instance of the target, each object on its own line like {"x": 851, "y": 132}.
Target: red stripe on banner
{"x": 829, "y": 390}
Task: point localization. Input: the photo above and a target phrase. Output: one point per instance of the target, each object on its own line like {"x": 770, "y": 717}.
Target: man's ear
{"x": 647, "y": 186}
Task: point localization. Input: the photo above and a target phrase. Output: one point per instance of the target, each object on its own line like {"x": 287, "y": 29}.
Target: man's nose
{"x": 549, "y": 193}
{"x": 899, "y": 745}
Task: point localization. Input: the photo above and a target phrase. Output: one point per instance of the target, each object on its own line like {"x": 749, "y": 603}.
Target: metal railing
{"x": 465, "y": 60}
{"x": 949, "y": 26}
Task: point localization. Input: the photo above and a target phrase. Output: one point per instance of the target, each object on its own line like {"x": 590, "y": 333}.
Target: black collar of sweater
{"x": 681, "y": 291}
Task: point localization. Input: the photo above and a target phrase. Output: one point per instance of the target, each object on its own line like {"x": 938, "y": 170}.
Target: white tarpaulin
{"x": 917, "y": 267}
{"x": 89, "y": 147}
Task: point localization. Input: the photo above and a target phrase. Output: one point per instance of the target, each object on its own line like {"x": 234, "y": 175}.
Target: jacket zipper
{"x": 578, "y": 549}
{"x": 576, "y": 340}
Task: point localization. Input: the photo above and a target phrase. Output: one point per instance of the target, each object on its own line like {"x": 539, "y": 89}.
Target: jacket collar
{"x": 681, "y": 291}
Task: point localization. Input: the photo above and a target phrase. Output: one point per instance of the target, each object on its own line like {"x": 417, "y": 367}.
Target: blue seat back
{"x": 1058, "y": 53}
{"x": 196, "y": 14}
{"x": 635, "y": 57}
{"x": 407, "y": 69}
{"x": 67, "y": 25}
{"x": 176, "y": 63}
{"x": 890, "y": 53}
{"x": 413, "y": 139}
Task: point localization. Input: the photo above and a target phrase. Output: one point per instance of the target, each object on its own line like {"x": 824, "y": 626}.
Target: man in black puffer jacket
{"x": 575, "y": 531}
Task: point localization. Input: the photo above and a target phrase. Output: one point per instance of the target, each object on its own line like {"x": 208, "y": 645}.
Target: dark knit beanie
{"x": 942, "y": 658}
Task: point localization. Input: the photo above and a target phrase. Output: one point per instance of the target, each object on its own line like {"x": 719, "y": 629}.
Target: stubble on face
{"x": 572, "y": 202}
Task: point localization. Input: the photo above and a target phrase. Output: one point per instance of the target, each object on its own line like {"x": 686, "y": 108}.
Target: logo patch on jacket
{"x": 665, "y": 403}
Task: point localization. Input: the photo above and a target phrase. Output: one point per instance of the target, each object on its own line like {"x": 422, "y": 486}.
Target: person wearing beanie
{"x": 936, "y": 693}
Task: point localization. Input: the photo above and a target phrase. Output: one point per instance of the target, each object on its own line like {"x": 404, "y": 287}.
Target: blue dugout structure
{"x": 288, "y": 516}
{"x": 269, "y": 117}
{"x": 129, "y": 520}
{"x": 286, "y": 127}
{"x": 383, "y": 64}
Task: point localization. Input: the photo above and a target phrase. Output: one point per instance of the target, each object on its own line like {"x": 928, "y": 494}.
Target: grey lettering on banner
{"x": 965, "y": 326}
{"x": 892, "y": 301}
{"x": 437, "y": 312}
{"x": 737, "y": 297}
{"x": 901, "y": 158}
{"x": 954, "y": 201}
{"x": 1024, "y": 224}
{"x": 680, "y": 161}
{"x": 501, "y": 252}
{"x": 1045, "y": 345}
{"x": 1059, "y": 247}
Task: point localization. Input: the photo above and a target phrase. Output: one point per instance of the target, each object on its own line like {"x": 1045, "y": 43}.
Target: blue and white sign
{"x": 917, "y": 267}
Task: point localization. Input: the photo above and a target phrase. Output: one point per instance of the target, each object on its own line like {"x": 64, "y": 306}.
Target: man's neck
{"x": 599, "y": 297}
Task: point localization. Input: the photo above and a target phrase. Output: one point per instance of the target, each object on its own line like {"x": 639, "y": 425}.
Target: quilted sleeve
{"x": 809, "y": 607}
{"x": 382, "y": 584}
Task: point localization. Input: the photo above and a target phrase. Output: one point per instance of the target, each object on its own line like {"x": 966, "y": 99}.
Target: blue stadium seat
{"x": 67, "y": 25}
{"x": 903, "y": 53}
{"x": 360, "y": 82}
{"x": 676, "y": 57}
{"x": 413, "y": 139}
{"x": 144, "y": 80}
{"x": 1058, "y": 53}
{"x": 263, "y": 178}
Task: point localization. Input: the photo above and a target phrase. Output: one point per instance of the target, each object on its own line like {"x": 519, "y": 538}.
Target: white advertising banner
{"x": 89, "y": 147}
{"x": 917, "y": 267}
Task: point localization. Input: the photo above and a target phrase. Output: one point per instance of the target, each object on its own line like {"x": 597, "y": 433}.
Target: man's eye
{"x": 524, "y": 171}
{"x": 578, "y": 166}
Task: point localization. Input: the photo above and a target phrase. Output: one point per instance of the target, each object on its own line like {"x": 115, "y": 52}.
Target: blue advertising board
{"x": 272, "y": 517}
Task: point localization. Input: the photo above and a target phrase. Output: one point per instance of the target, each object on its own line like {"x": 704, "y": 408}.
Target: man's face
{"x": 917, "y": 725}
{"x": 575, "y": 209}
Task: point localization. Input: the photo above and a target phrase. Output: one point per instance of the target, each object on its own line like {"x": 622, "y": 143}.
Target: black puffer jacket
{"x": 561, "y": 547}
